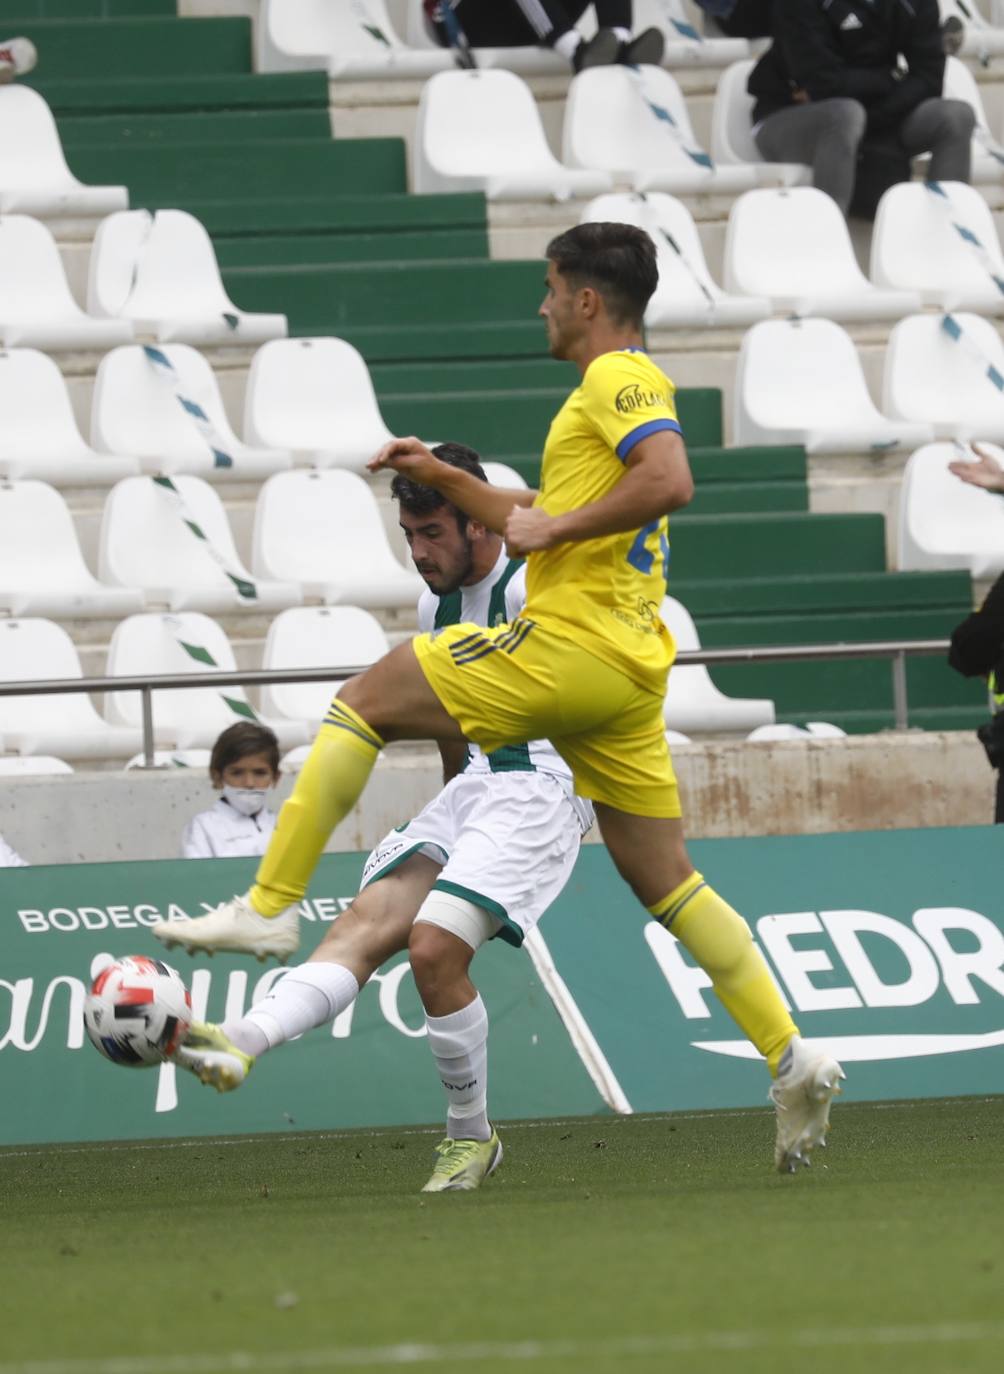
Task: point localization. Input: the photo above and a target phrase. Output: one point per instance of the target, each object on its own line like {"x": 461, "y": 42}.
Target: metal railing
{"x": 897, "y": 651}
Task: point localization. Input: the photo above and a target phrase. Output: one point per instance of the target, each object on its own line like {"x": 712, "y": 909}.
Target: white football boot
{"x": 807, "y": 1081}
{"x": 212, "y": 1056}
{"x": 235, "y": 927}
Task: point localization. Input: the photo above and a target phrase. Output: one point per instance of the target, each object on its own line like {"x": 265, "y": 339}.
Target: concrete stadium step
{"x": 180, "y": 92}
{"x": 181, "y": 173}
{"x": 135, "y": 47}
{"x": 143, "y": 129}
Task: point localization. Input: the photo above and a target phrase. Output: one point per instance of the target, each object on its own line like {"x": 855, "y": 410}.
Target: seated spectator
{"x": 739, "y": 18}
{"x": 550, "y": 24}
{"x": 243, "y": 766}
{"x": 9, "y": 858}
{"x": 853, "y": 89}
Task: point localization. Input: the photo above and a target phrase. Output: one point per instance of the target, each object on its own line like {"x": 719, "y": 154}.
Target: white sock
{"x": 459, "y": 1044}
{"x": 309, "y": 995}
{"x": 567, "y": 44}
{"x": 623, "y": 34}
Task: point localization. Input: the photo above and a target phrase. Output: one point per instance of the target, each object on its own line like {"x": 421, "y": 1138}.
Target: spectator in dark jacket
{"x": 550, "y": 23}
{"x": 739, "y": 18}
{"x": 841, "y": 75}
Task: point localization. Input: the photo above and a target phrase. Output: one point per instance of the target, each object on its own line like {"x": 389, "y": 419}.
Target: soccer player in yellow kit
{"x": 585, "y": 665}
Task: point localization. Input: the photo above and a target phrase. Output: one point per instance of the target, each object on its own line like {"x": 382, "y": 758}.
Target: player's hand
{"x": 986, "y": 472}
{"x": 528, "y": 528}
{"x": 409, "y": 457}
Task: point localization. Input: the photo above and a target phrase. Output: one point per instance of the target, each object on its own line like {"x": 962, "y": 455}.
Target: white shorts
{"x": 507, "y": 842}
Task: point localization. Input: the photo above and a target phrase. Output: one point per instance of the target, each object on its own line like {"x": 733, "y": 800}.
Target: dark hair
{"x": 237, "y": 741}
{"x": 617, "y": 260}
{"x": 418, "y": 499}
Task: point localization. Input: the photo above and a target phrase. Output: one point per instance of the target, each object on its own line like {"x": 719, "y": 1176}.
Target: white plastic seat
{"x": 987, "y": 153}
{"x": 502, "y": 475}
{"x": 632, "y": 123}
{"x": 39, "y": 435}
{"x": 947, "y": 371}
{"x": 36, "y": 307}
{"x": 25, "y": 765}
{"x": 732, "y": 142}
{"x": 945, "y": 522}
{"x": 142, "y": 407}
{"x": 158, "y": 270}
{"x": 919, "y": 244}
{"x": 792, "y": 245}
{"x": 687, "y": 294}
{"x": 813, "y": 729}
{"x": 64, "y": 723}
{"x": 148, "y": 542}
{"x": 42, "y": 570}
{"x": 184, "y": 717}
{"x": 686, "y": 45}
{"x": 322, "y": 529}
{"x": 172, "y": 758}
{"x": 481, "y": 131}
{"x": 315, "y": 398}
{"x": 34, "y": 177}
{"x": 982, "y": 39}
{"x": 693, "y": 702}
{"x": 801, "y": 382}
{"x": 317, "y": 637}
{"x": 353, "y": 42}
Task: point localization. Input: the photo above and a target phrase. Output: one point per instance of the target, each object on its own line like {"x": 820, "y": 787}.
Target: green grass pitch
{"x": 637, "y": 1244}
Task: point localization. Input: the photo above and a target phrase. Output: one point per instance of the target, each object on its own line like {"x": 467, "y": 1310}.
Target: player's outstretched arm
{"x": 486, "y": 504}
{"x": 656, "y": 481}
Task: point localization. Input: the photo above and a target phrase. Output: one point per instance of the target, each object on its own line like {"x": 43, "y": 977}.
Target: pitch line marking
{"x": 527, "y": 1352}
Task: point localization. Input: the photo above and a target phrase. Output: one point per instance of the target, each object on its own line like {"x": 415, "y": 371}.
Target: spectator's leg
{"x": 999, "y": 809}
{"x": 944, "y": 128}
{"x": 825, "y": 135}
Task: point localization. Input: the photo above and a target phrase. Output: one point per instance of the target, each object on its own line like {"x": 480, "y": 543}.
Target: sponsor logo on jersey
{"x": 635, "y": 397}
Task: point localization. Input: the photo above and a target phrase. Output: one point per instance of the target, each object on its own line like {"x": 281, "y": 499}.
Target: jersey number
{"x": 640, "y": 556}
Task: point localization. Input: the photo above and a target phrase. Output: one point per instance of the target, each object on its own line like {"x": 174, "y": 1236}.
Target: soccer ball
{"x": 137, "y": 1011}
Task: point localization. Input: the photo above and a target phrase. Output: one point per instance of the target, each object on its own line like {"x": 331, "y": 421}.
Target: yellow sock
{"x": 721, "y": 942}
{"x": 337, "y": 769}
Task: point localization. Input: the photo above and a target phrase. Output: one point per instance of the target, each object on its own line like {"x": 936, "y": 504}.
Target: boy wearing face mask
{"x": 243, "y": 766}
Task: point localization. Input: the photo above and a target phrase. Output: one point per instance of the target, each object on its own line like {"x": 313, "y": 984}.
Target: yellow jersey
{"x": 605, "y": 593}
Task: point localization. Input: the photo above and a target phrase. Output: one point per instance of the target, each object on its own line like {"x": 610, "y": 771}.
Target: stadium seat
{"x": 981, "y": 39}
{"x": 184, "y": 717}
{"x": 34, "y": 177}
{"x": 792, "y": 245}
{"x": 64, "y": 723}
{"x": 36, "y": 307}
{"x": 502, "y": 475}
{"x": 323, "y": 530}
{"x": 939, "y": 240}
{"x": 732, "y": 142}
{"x": 686, "y": 295}
{"x": 987, "y": 153}
{"x": 317, "y": 637}
{"x": 693, "y": 703}
{"x": 163, "y": 406}
{"x": 801, "y": 382}
{"x": 25, "y": 765}
{"x": 315, "y": 398}
{"x": 352, "y": 42}
{"x": 173, "y": 542}
{"x": 686, "y": 44}
{"x": 481, "y": 131}
{"x": 39, "y": 436}
{"x": 946, "y": 372}
{"x": 945, "y": 522}
{"x": 172, "y": 758}
{"x": 632, "y": 123}
{"x": 42, "y": 570}
{"x": 158, "y": 270}
{"x": 813, "y": 729}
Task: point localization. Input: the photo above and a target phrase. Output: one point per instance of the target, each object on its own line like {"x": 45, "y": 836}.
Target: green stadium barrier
{"x": 176, "y": 93}
{"x": 143, "y": 129}
{"x": 175, "y": 175}
{"x": 136, "y": 47}
{"x": 333, "y": 213}
{"x": 13, "y": 10}
{"x": 891, "y": 944}
{"x": 415, "y": 245}
{"x": 775, "y": 545}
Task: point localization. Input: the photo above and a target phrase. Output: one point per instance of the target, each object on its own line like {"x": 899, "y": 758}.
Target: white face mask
{"x": 247, "y": 800}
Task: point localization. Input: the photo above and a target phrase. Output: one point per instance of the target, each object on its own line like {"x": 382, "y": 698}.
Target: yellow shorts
{"x": 522, "y": 682}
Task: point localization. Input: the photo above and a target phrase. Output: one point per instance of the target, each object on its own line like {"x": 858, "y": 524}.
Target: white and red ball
{"x": 137, "y": 1011}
